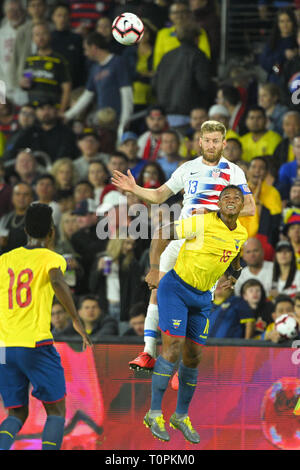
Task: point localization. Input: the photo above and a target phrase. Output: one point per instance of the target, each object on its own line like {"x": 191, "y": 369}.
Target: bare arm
{"x": 63, "y": 293}
{"x": 249, "y": 330}
{"x": 152, "y": 196}
{"x": 65, "y": 96}
{"x": 249, "y": 206}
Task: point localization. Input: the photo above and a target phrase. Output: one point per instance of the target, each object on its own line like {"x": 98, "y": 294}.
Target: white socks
{"x": 150, "y": 330}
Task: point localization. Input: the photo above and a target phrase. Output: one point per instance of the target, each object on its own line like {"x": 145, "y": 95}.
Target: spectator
{"x": 283, "y": 304}
{"x": 26, "y": 167}
{"x": 286, "y": 277}
{"x": 290, "y": 171}
{"x": 219, "y": 112}
{"x": 65, "y": 200}
{"x": 49, "y": 135}
{"x": 140, "y": 58}
{"x": 282, "y": 44}
{"x": 253, "y": 292}
{"x": 84, "y": 15}
{"x": 137, "y": 315}
{"x": 64, "y": 174}
{"x": 149, "y": 142}
{"x": 266, "y": 221}
{"x": 67, "y": 43}
{"x": 130, "y": 147}
{"x": 294, "y": 198}
{"x": 197, "y": 117}
{"x": 233, "y": 151}
{"x": 97, "y": 324}
{"x": 108, "y": 82}
{"x": 85, "y": 241}
{"x": 83, "y": 190}
{"x": 5, "y": 193}
{"x": 119, "y": 283}
{"x": 106, "y": 126}
{"x": 258, "y": 140}
{"x": 46, "y": 74}
{"x": 98, "y": 176}
{"x": 291, "y": 230}
{"x": 45, "y": 190}
{"x": 23, "y": 47}
{"x": 167, "y": 40}
{"x": 89, "y": 145}
{"x": 60, "y": 319}
{"x": 151, "y": 176}
{"x": 104, "y": 27}
{"x": 256, "y": 266}
{"x": 12, "y": 225}
{"x": 269, "y": 100}
{"x": 289, "y": 80}
{"x": 26, "y": 119}
{"x": 284, "y": 150}
{"x": 193, "y": 81}
{"x": 229, "y": 96}
{"x": 13, "y": 19}
{"x": 170, "y": 159}
{"x": 231, "y": 316}
{"x": 8, "y": 119}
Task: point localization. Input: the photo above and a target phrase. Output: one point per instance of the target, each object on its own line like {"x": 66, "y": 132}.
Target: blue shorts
{"x": 183, "y": 310}
{"x": 41, "y": 367}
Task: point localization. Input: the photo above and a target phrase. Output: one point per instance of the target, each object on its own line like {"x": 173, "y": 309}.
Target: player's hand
{"x": 124, "y": 182}
{"x": 85, "y": 338}
{"x": 152, "y": 279}
{"x": 228, "y": 284}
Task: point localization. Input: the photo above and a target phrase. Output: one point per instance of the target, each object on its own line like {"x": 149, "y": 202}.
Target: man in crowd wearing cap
{"x": 89, "y": 145}
{"x": 130, "y": 147}
{"x": 46, "y": 73}
{"x": 149, "y": 142}
{"x": 290, "y": 171}
{"x": 218, "y": 112}
{"x": 48, "y": 135}
{"x": 85, "y": 241}
{"x": 292, "y": 231}
{"x": 170, "y": 159}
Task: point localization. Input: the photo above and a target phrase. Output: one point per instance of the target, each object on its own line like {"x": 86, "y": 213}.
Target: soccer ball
{"x": 127, "y": 29}
{"x": 286, "y": 326}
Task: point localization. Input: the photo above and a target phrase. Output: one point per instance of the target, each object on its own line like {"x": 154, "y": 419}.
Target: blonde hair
{"x": 59, "y": 163}
{"x": 213, "y": 126}
{"x": 114, "y": 249}
{"x": 62, "y": 235}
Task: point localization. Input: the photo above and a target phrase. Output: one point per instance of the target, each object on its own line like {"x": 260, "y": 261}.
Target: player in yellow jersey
{"x": 30, "y": 276}
{"x": 212, "y": 246}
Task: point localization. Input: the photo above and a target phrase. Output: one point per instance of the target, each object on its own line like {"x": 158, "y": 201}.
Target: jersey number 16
{"x": 21, "y": 286}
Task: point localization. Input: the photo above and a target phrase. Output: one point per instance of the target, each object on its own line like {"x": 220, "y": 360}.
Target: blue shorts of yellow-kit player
{"x": 40, "y": 366}
{"x": 183, "y": 310}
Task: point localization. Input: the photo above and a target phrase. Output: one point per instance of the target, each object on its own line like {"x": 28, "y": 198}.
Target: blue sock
{"x": 161, "y": 375}
{"x": 187, "y": 384}
{"x": 53, "y": 433}
{"x": 8, "y": 430}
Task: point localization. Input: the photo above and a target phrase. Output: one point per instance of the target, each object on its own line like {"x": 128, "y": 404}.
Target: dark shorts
{"x": 41, "y": 367}
{"x": 183, "y": 310}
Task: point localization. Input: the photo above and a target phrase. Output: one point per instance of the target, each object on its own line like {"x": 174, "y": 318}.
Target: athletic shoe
{"x": 185, "y": 426}
{"x": 175, "y": 382}
{"x": 143, "y": 362}
{"x": 157, "y": 427}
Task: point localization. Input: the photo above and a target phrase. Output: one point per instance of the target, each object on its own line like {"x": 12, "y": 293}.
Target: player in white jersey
{"x": 202, "y": 180}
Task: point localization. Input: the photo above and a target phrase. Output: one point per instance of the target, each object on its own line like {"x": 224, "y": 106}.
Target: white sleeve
{"x": 176, "y": 182}
{"x": 126, "y": 108}
{"x": 82, "y": 103}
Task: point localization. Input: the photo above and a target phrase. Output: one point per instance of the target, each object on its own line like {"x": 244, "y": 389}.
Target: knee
{"x": 172, "y": 352}
{"x": 20, "y": 413}
{"x": 57, "y": 409}
{"x": 193, "y": 359}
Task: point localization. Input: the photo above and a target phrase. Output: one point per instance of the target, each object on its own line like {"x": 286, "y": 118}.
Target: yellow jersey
{"x": 266, "y": 145}
{"x": 26, "y": 295}
{"x": 209, "y": 249}
{"x": 166, "y": 41}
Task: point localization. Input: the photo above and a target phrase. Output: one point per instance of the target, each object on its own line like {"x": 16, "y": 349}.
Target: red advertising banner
{"x": 244, "y": 400}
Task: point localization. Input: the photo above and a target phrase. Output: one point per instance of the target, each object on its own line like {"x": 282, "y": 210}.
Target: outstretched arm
{"x": 152, "y": 196}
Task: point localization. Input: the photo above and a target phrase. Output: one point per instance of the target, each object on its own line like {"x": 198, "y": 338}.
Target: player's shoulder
{"x": 191, "y": 165}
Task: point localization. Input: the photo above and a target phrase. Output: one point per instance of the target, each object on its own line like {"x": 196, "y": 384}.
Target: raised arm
{"x": 249, "y": 206}
{"x": 63, "y": 294}
{"x": 152, "y": 196}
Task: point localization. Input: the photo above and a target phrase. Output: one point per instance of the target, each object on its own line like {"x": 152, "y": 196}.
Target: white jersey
{"x": 202, "y": 184}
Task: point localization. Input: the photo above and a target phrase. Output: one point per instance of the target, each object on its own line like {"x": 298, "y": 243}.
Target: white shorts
{"x": 169, "y": 256}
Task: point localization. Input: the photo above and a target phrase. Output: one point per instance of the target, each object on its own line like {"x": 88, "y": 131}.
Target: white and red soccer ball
{"x": 127, "y": 29}
{"x": 286, "y": 326}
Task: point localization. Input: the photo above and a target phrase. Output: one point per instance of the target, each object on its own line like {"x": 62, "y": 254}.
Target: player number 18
{"x": 21, "y": 286}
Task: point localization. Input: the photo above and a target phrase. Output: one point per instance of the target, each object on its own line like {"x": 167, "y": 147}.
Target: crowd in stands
{"x": 77, "y": 105}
